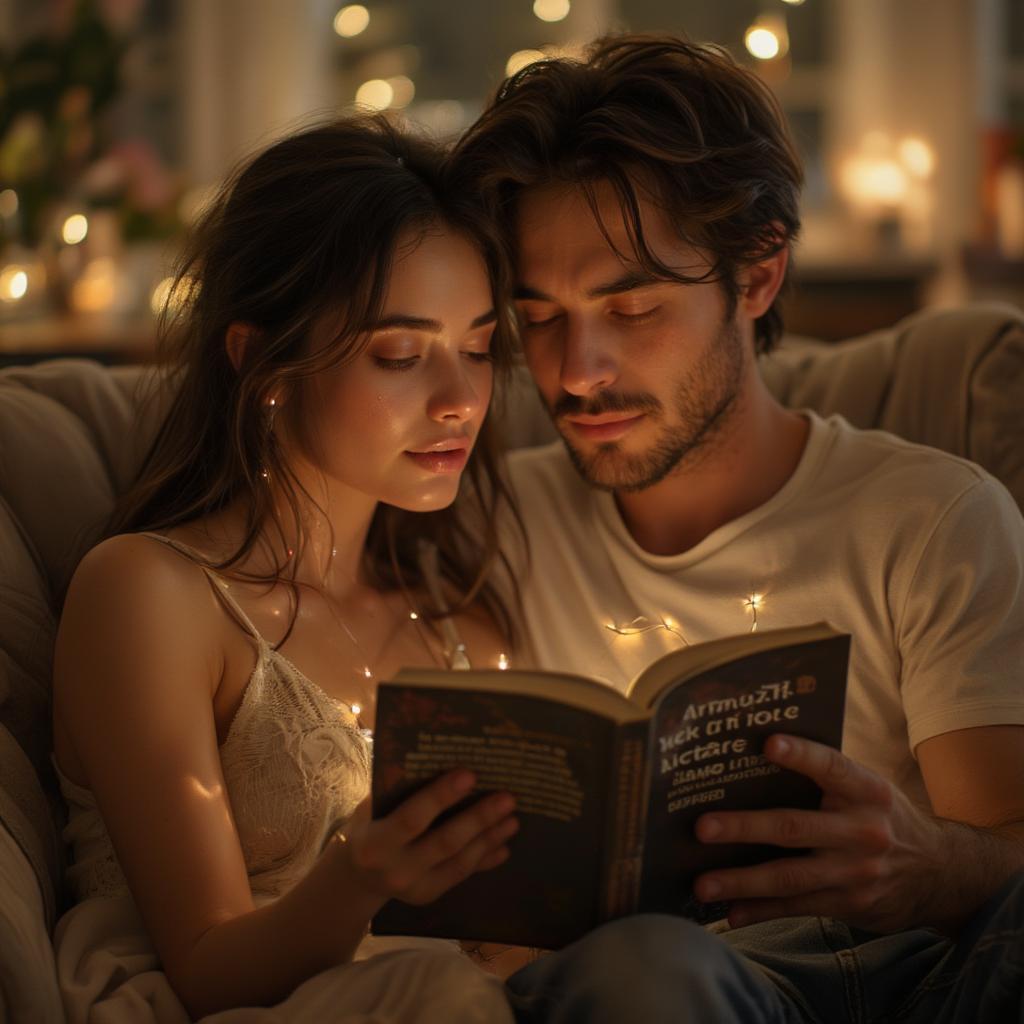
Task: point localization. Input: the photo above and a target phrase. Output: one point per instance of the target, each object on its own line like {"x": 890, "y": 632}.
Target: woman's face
{"x": 397, "y": 423}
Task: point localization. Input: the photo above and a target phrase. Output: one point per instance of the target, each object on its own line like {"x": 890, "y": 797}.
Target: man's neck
{"x": 743, "y": 466}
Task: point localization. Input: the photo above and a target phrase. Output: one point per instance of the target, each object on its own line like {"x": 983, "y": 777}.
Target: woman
{"x": 217, "y": 655}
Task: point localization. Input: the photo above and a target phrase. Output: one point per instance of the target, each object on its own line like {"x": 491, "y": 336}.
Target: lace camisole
{"x": 295, "y": 766}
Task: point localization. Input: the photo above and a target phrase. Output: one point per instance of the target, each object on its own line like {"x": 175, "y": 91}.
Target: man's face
{"x": 638, "y": 374}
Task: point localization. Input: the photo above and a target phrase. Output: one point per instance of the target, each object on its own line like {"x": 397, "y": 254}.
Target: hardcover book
{"x": 608, "y": 786}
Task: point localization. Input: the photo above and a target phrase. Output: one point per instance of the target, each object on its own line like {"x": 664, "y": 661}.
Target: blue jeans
{"x": 654, "y": 968}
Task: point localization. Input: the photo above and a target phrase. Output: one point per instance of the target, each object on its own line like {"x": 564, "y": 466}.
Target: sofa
{"x": 72, "y": 433}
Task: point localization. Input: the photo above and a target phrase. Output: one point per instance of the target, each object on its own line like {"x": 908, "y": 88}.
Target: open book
{"x": 608, "y": 787}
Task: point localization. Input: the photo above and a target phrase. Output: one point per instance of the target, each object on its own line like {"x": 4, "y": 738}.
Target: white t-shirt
{"x": 916, "y": 553}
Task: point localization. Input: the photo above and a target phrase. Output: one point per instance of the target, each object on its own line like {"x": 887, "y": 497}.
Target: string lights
{"x": 643, "y": 624}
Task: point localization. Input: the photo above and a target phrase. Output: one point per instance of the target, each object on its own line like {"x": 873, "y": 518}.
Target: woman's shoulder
{"x": 138, "y": 576}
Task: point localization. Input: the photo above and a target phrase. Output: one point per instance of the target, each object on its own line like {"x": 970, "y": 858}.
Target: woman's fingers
{"x": 465, "y": 830}
{"x": 406, "y": 855}
{"x": 414, "y": 815}
{"x": 484, "y": 852}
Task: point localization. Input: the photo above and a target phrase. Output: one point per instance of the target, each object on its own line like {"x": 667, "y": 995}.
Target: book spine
{"x": 626, "y": 822}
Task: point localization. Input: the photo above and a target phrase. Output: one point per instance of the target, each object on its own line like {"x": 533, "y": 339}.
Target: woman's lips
{"x": 448, "y": 460}
{"x": 606, "y": 427}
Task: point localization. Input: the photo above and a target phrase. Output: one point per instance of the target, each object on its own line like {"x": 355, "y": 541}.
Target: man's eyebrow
{"x": 626, "y": 283}
{"x": 419, "y": 323}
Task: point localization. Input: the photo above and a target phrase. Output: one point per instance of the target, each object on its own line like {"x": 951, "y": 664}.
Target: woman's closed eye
{"x": 474, "y": 355}
{"x": 401, "y": 363}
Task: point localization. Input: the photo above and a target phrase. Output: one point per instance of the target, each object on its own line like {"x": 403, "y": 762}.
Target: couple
{"x": 325, "y": 502}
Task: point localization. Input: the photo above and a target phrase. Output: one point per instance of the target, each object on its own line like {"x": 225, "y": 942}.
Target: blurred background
{"x": 118, "y": 118}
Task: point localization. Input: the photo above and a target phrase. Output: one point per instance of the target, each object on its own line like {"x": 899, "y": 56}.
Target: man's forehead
{"x": 562, "y": 230}
{"x": 543, "y": 207}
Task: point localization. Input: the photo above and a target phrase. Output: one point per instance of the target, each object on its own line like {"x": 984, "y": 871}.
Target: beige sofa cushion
{"x": 953, "y": 379}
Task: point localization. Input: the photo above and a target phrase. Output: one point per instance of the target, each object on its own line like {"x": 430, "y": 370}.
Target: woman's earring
{"x": 271, "y": 413}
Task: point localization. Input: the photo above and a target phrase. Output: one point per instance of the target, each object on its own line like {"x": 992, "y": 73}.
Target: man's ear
{"x": 760, "y": 283}
{"x": 236, "y": 341}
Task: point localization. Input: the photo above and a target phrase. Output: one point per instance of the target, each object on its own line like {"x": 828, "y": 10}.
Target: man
{"x": 650, "y": 195}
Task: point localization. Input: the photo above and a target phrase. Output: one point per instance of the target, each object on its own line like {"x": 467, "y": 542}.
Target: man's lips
{"x": 447, "y": 456}
{"x": 606, "y": 426}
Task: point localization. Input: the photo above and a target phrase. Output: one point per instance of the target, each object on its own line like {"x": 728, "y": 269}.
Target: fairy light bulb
{"x": 754, "y": 602}
{"x": 366, "y": 672}
{"x": 355, "y": 708}
{"x": 502, "y": 661}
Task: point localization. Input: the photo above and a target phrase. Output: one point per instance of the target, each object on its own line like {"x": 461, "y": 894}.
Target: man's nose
{"x": 590, "y": 360}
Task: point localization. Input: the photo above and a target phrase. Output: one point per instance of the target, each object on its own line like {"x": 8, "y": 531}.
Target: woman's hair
{"x": 656, "y": 117}
{"x": 309, "y": 229}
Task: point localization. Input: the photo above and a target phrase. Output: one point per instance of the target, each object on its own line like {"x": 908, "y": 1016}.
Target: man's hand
{"x": 401, "y": 856}
{"x": 872, "y": 860}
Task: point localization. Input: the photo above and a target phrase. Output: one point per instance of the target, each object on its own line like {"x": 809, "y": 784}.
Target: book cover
{"x": 608, "y": 787}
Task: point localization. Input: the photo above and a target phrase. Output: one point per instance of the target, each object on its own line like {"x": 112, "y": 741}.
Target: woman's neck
{"x": 322, "y": 548}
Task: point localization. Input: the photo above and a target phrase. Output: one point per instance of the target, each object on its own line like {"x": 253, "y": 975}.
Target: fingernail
{"x": 782, "y": 746}
{"x": 710, "y": 828}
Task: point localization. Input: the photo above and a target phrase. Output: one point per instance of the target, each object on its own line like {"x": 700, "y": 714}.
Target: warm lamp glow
{"x": 351, "y": 20}
{"x": 503, "y": 661}
{"x": 917, "y": 156}
{"x": 762, "y": 43}
{"x": 96, "y": 290}
{"x": 551, "y": 10}
{"x": 75, "y": 228}
{"x": 165, "y": 294}
{"x": 377, "y": 94}
{"x": 13, "y": 283}
{"x": 8, "y": 202}
{"x": 403, "y": 89}
{"x": 875, "y": 181}
{"x": 522, "y": 59}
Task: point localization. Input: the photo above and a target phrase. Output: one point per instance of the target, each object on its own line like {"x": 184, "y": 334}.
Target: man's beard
{"x": 703, "y": 402}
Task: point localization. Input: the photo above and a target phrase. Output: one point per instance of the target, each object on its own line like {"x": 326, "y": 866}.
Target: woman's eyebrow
{"x": 419, "y": 323}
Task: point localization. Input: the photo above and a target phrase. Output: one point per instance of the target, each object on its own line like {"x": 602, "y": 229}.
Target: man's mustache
{"x": 604, "y": 401}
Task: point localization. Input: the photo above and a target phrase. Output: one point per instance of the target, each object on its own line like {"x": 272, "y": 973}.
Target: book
{"x": 608, "y": 785}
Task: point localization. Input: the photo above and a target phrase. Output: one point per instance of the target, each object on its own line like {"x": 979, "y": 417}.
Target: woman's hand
{"x": 401, "y": 856}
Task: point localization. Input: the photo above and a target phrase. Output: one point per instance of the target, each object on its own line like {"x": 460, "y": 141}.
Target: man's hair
{"x": 660, "y": 118}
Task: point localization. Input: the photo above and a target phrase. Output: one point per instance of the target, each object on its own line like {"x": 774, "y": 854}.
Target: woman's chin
{"x": 433, "y": 499}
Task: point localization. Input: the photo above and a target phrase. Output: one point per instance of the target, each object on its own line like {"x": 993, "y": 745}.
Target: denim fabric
{"x": 655, "y": 968}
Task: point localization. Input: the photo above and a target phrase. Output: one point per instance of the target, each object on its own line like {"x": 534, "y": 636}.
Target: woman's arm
{"x": 139, "y": 658}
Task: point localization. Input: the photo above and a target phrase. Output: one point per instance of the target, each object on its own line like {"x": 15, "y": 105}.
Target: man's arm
{"x": 875, "y": 859}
